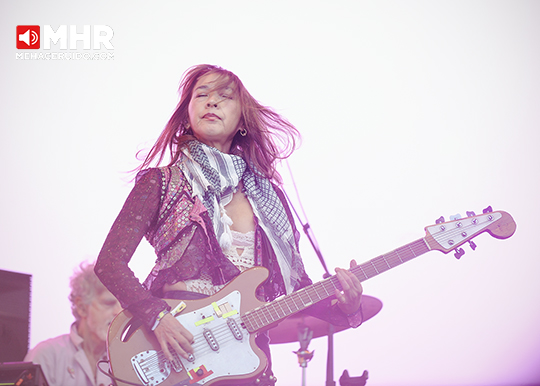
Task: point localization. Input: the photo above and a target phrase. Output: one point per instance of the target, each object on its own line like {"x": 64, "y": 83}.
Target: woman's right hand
{"x": 171, "y": 332}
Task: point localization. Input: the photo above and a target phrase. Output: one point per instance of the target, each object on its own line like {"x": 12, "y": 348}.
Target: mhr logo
{"x": 29, "y": 37}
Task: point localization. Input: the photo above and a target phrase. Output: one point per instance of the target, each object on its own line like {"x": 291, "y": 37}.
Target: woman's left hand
{"x": 351, "y": 296}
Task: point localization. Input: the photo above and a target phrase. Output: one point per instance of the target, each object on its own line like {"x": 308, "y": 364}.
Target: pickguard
{"x": 218, "y": 336}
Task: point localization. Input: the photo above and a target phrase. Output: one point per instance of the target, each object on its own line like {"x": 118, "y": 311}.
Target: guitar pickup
{"x": 212, "y": 342}
{"x": 237, "y": 333}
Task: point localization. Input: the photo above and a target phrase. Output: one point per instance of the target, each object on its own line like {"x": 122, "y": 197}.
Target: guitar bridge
{"x": 175, "y": 363}
{"x": 153, "y": 368}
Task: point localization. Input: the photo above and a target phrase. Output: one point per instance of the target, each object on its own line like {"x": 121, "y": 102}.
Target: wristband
{"x": 160, "y": 316}
{"x": 355, "y": 318}
{"x": 354, "y": 313}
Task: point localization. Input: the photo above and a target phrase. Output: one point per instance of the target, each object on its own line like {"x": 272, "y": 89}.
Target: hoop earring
{"x": 243, "y": 132}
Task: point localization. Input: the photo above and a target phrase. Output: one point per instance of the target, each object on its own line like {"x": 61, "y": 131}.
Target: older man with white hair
{"x": 71, "y": 359}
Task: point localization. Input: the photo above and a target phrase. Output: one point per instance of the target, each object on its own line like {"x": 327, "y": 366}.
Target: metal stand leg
{"x": 303, "y": 354}
{"x": 330, "y": 358}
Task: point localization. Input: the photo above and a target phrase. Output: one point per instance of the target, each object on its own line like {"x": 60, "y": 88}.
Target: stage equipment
{"x": 346, "y": 380}
{"x": 14, "y": 315}
{"x": 323, "y": 328}
{"x": 298, "y": 323}
{"x": 287, "y": 330}
{"x": 22, "y": 374}
{"x": 304, "y": 355}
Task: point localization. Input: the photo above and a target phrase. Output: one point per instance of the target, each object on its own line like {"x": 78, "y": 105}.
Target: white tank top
{"x": 241, "y": 254}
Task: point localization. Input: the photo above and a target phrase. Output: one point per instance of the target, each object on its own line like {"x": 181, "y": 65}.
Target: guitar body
{"x": 224, "y": 351}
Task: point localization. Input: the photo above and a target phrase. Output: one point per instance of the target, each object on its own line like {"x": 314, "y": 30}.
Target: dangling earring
{"x": 187, "y": 127}
{"x": 243, "y": 132}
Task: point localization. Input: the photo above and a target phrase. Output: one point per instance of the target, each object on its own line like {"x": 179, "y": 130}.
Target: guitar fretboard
{"x": 262, "y": 317}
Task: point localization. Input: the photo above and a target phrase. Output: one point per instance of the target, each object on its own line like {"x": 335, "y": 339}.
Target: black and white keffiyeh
{"x": 215, "y": 176}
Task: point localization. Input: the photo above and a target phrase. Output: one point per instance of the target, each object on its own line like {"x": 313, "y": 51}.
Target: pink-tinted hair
{"x": 270, "y": 137}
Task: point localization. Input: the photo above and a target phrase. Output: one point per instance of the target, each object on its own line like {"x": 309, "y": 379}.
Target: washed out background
{"x": 408, "y": 111}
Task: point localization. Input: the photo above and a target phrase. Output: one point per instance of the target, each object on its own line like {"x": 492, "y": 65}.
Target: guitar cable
{"x": 113, "y": 378}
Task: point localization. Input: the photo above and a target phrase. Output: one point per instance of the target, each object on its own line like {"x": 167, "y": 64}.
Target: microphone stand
{"x": 330, "y": 357}
{"x": 305, "y": 226}
{"x": 304, "y": 355}
{"x": 309, "y": 233}
{"x": 345, "y": 379}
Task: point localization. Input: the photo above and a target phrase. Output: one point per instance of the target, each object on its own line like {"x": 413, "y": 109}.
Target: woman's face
{"x": 214, "y": 114}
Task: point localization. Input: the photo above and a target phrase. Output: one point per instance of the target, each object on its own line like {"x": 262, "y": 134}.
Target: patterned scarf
{"x": 214, "y": 177}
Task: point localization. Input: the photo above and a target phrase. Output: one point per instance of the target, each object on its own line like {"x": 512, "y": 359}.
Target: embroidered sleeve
{"x": 137, "y": 216}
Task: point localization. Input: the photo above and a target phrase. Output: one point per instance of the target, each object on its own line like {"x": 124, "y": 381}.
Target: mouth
{"x": 211, "y": 117}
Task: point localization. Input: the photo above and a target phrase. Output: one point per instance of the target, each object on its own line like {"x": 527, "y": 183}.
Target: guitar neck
{"x": 389, "y": 260}
{"x": 262, "y": 317}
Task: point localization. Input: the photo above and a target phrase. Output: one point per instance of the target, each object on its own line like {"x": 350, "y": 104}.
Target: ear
{"x": 81, "y": 307}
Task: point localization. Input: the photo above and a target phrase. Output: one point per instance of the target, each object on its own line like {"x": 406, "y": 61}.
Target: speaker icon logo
{"x": 28, "y": 37}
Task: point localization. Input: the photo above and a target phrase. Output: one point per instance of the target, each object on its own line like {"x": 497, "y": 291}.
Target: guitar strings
{"x": 299, "y": 300}
{"x": 222, "y": 334}
{"x": 266, "y": 315}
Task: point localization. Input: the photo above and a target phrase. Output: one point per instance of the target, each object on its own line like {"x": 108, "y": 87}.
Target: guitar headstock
{"x": 449, "y": 236}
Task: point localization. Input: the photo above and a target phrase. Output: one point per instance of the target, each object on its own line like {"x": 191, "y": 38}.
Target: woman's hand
{"x": 171, "y": 332}
{"x": 350, "y": 298}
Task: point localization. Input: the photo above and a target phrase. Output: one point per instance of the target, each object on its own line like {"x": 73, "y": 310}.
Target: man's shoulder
{"x": 50, "y": 346}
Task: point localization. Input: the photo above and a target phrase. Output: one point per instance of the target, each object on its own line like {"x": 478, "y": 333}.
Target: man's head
{"x": 91, "y": 302}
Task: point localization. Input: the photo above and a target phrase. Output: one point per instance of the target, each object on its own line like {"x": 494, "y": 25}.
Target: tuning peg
{"x": 439, "y": 220}
{"x": 472, "y": 244}
{"x": 455, "y": 217}
{"x": 489, "y": 209}
{"x": 459, "y": 252}
{"x": 471, "y": 214}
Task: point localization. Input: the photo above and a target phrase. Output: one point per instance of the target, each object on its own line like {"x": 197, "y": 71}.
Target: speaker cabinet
{"x": 14, "y": 315}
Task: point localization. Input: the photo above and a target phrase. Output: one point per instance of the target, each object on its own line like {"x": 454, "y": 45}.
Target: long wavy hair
{"x": 270, "y": 137}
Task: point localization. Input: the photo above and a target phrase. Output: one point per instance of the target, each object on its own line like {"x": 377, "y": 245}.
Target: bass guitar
{"x": 225, "y": 324}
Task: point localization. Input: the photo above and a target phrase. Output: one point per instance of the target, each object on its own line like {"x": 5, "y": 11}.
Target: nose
{"x": 212, "y": 100}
